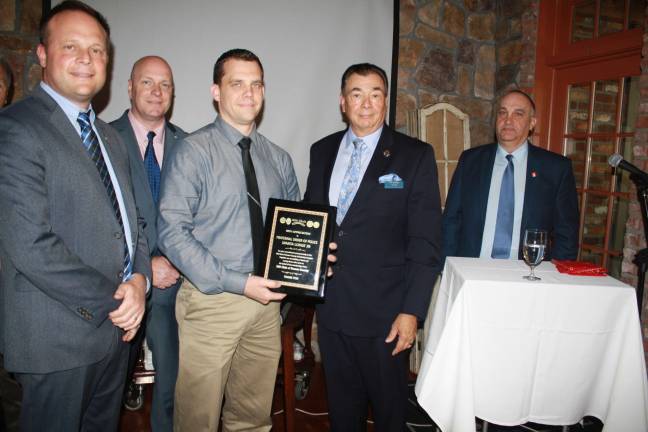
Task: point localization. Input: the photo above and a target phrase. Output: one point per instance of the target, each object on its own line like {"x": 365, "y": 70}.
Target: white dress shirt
{"x": 344, "y": 158}
{"x": 520, "y": 157}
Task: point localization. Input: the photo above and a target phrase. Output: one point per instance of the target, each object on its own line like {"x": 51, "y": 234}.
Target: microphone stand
{"x": 641, "y": 258}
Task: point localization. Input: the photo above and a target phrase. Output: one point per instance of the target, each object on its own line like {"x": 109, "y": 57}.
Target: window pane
{"x": 600, "y": 171}
{"x": 630, "y": 103}
{"x": 611, "y": 16}
{"x": 441, "y": 169}
{"x": 455, "y": 135}
{"x": 576, "y": 150}
{"x": 614, "y": 266}
{"x": 583, "y": 21}
{"x": 622, "y": 179}
{"x": 637, "y": 11}
{"x": 578, "y": 108}
{"x": 617, "y": 230}
{"x": 595, "y": 218}
{"x": 589, "y": 256}
{"x": 434, "y": 133}
{"x": 605, "y": 103}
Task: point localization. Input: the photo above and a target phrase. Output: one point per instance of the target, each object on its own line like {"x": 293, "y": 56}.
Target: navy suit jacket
{"x": 145, "y": 205}
{"x": 389, "y": 243}
{"x": 550, "y": 202}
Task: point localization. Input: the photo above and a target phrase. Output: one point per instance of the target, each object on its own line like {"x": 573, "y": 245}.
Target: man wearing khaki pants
{"x": 215, "y": 188}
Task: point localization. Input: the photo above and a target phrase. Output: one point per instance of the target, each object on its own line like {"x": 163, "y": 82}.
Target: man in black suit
{"x": 75, "y": 262}
{"x": 485, "y": 218}
{"x": 389, "y": 252}
{"x": 149, "y": 137}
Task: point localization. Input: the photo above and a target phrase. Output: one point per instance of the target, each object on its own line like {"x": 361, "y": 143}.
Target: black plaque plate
{"x": 297, "y": 237}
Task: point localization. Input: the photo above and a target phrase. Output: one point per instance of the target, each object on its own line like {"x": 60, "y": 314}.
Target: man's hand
{"x": 164, "y": 274}
{"x": 331, "y": 259}
{"x": 129, "y": 314}
{"x": 258, "y": 288}
{"x": 404, "y": 326}
{"x": 130, "y": 334}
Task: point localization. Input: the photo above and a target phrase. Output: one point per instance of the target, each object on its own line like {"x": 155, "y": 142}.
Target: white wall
{"x": 304, "y": 46}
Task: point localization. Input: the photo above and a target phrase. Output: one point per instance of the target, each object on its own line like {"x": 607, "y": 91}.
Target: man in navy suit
{"x": 488, "y": 209}
{"x": 389, "y": 253}
{"x": 149, "y": 137}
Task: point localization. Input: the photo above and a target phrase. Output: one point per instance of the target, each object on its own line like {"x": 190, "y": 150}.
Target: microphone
{"x": 617, "y": 161}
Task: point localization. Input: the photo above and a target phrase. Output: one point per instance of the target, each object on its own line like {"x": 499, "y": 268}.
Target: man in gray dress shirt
{"x": 228, "y": 319}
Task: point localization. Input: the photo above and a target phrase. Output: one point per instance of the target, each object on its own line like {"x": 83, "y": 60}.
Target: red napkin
{"x": 579, "y": 268}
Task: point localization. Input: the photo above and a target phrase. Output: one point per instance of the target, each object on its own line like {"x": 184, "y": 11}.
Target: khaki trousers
{"x": 229, "y": 345}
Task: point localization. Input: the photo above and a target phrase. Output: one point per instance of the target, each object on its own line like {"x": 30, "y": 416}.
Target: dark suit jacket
{"x": 389, "y": 244}
{"x": 143, "y": 197}
{"x": 60, "y": 244}
{"x": 550, "y": 202}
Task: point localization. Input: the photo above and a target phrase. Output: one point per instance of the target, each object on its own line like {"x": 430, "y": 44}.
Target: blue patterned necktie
{"x": 351, "y": 179}
{"x": 505, "y": 214}
{"x": 91, "y": 144}
{"x": 152, "y": 167}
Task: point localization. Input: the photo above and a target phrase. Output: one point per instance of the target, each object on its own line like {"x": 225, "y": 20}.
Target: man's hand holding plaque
{"x": 297, "y": 242}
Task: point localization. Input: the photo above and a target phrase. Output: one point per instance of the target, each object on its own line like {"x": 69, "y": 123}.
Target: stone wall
{"x": 464, "y": 53}
{"x": 19, "y": 21}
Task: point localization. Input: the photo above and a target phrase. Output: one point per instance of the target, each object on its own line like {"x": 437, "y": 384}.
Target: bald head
{"x": 150, "y": 90}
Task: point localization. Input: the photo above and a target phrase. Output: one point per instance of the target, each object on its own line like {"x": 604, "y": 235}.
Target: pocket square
{"x": 391, "y": 181}
{"x": 393, "y": 177}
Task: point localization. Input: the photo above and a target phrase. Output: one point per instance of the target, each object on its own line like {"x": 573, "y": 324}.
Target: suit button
{"x": 120, "y": 274}
{"x": 118, "y": 235}
{"x": 340, "y": 233}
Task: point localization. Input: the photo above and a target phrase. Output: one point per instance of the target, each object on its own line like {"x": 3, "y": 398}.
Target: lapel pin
{"x": 386, "y": 153}
{"x": 534, "y": 174}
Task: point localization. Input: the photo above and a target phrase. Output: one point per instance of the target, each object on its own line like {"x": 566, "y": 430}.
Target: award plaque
{"x": 297, "y": 237}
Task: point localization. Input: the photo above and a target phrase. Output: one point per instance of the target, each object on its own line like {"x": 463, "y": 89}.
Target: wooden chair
{"x": 295, "y": 375}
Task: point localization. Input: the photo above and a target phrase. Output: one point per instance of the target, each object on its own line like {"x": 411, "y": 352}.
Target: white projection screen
{"x": 304, "y": 46}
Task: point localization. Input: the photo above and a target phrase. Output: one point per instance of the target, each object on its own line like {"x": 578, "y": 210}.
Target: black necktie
{"x": 91, "y": 143}
{"x": 254, "y": 202}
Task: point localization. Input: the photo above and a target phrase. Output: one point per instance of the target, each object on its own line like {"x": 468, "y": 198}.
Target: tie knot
{"x": 358, "y": 143}
{"x": 509, "y": 157}
{"x": 150, "y": 136}
{"x": 84, "y": 117}
{"x": 245, "y": 143}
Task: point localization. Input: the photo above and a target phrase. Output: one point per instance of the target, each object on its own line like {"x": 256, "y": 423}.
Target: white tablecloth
{"x": 511, "y": 351}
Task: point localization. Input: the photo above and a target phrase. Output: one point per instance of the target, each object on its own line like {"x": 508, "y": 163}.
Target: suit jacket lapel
{"x": 170, "y": 137}
{"x": 530, "y": 188}
{"x": 483, "y": 188}
{"x": 71, "y": 139}
{"x": 122, "y": 174}
{"x": 379, "y": 160}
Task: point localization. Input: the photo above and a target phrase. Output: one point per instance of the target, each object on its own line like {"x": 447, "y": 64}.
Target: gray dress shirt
{"x": 204, "y": 221}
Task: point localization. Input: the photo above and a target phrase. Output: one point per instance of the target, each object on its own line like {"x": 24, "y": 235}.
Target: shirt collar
{"x": 518, "y": 154}
{"x": 232, "y": 135}
{"x": 141, "y": 131}
{"x": 70, "y": 109}
{"x": 371, "y": 140}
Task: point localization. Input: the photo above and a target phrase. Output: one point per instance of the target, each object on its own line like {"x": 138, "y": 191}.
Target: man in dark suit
{"x": 389, "y": 252}
{"x": 75, "y": 262}
{"x": 499, "y": 190}
{"x": 149, "y": 137}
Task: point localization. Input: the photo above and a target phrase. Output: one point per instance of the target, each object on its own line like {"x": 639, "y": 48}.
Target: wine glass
{"x": 533, "y": 250}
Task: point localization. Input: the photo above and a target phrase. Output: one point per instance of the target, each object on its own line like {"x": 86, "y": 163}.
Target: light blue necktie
{"x": 505, "y": 214}
{"x": 152, "y": 167}
{"x": 351, "y": 179}
{"x": 91, "y": 144}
